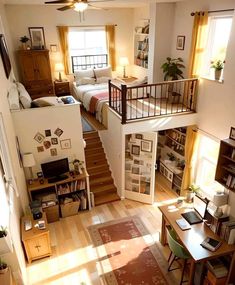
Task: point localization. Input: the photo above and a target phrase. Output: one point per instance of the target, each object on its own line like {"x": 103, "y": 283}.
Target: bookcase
{"x": 141, "y": 44}
{"x": 68, "y": 196}
{"x": 175, "y": 139}
{"x": 225, "y": 170}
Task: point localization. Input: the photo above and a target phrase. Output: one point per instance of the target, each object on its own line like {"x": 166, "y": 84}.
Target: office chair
{"x": 178, "y": 251}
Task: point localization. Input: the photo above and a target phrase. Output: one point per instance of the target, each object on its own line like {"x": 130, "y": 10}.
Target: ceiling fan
{"x": 77, "y": 5}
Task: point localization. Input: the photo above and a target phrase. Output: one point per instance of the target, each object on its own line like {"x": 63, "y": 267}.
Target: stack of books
{"x": 217, "y": 267}
{"x": 227, "y": 232}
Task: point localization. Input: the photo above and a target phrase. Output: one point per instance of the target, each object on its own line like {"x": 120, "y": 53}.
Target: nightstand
{"x": 128, "y": 79}
{"x": 36, "y": 241}
{"x": 61, "y": 88}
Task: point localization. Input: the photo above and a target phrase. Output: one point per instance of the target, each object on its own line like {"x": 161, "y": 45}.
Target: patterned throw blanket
{"x": 96, "y": 98}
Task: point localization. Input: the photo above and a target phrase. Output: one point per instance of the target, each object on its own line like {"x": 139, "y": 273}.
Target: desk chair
{"x": 178, "y": 251}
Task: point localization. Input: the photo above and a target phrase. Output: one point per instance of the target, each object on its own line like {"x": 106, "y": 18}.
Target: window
{"x": 219, "y": 28}
{"x": 87, "y": 41}
{"x": 207, "y": 155}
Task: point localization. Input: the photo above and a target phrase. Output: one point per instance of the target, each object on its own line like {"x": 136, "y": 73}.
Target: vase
{"x": 24, "y": 46}
{"x": 218, "y": 74}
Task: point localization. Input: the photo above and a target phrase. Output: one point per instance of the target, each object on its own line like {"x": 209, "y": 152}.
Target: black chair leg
{"x": 169, "y": 257}
{"x": 182, "y": 275}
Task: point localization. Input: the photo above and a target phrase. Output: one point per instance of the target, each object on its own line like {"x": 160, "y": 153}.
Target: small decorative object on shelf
{"x": 78, "y": 165}
{"x": 24, "y": 41}
{"x": 3, "y": 231}
{"x": 3, "y": 267}
{"x": 218, "y": 65}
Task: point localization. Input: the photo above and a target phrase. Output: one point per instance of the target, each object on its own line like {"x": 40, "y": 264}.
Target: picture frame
{"x": 53, "y": 151}
{"x": 135, "y": 170}
{"x": 135, "y": 150}
{"x": 47, "y": 133}
{"x": 58, "y": 132}
{"x": 53, "y": 48}
{"x": 65, "y": 144}
{"x": 139, "y": 136}
{"x": 146, "y": 145}
{"x": 232, "y": 134}
{"x": 5, "y": 56}
{"x": 54, "y": 141}
{"x": 180, "y": 42}
{"x": 37, "y": 37}
{"x": 39, "y": 137}
{"x": 40, "y": 148}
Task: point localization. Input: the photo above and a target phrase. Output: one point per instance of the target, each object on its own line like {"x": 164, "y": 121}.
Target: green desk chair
{"x": 178, "y": 251}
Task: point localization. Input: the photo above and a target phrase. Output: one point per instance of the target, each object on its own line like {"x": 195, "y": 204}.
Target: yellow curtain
{"x": 199, "y": 38}
{"x": 63, "y": 35}
{"x": 190, "y": 145}
{"x": 110, "y": 36}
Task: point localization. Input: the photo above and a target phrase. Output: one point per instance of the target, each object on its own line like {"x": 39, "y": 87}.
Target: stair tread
{"x": 101, "y": 173}
{"x": 102, "y": 188}
{"x": 101, "y": 180}
{"x": 106, "y": 199}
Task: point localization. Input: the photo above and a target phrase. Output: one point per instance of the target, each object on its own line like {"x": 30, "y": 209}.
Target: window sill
{"x": 221, "y": 81}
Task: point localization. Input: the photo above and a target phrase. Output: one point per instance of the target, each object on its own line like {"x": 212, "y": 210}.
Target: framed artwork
{"x": 40, "y": 148}
{"x": 180, "y": 42}
{"x": 5, "y": 56}
{"x": 146, "y": 145}
{"x": 37, "y": 37}
{"x": 47, "y": 144}
{"x": 135, "y": 150}
{"x": 58, "y": 132}
{"x": 135, "y": 170}
{"x": 39, "y": 137}
{"x": 139, "y": 136}
{"x": 53, "y": 151}
{"x": 54, "y": 141}
{"x": 232, "y": 133}
{"x": 65, "y": 144}
{"x": 18, "y": 152}
{"x": 53, "y": 48}
{"x": 47, "y": 133}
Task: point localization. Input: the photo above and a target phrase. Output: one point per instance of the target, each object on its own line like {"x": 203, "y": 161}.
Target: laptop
{"x": 196, "y": 216}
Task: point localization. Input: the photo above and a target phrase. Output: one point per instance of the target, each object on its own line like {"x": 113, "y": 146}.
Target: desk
{"x": 192, "y": 238}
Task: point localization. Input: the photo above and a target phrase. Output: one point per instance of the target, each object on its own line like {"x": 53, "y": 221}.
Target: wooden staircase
{"x": 101, "y": 181}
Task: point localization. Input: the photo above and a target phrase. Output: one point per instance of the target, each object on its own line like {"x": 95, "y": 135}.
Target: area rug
{"x": 128, "y": 254}
{"x": 86, "y": 127}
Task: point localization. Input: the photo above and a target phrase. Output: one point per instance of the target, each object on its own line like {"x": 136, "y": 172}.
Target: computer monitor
{"x": 55, "y": 168}
{"x": 200, "y": 205}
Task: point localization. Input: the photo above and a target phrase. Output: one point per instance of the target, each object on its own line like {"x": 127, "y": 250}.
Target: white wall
{"x": 30, "y": 121}
{"x": 20, "y": 17}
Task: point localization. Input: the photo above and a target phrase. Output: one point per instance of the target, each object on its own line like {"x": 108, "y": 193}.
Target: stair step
{"x": 90, "y": 135}
{"x": 106, "y": 199}
{"x": 94, "y": 150}
{"x": 101, "y": 181}
{"x": 95, "y": 155}
{"x": 100, "y": 173}
{"x": 95, "y": 162}
{"x": 92, "y": 141}
{"x": 94, "y": 145}
{"x": 103, "y": 189}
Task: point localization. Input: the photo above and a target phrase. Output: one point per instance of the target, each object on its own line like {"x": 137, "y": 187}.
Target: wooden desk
{"x": 192, "y": 238}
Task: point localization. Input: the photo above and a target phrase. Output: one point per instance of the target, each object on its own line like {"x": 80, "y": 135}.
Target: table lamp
{"x": 59, "y": 68}
{"x": 124, "y": 62}
{"x": 219, "y": 200}
{"x": 29, "y": 161}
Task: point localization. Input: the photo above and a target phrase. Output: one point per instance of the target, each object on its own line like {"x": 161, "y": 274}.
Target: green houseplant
{"x": 218, "y": 65}
{"x": 172, "y": 68}
{"x": 24, "y": 41}
{"x": 3, "y": 231}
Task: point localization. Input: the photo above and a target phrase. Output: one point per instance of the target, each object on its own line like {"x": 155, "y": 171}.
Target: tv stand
{"x": 57, "y": 178}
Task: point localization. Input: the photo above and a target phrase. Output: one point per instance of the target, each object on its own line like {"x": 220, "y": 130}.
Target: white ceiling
{"x": 114, "y": 3}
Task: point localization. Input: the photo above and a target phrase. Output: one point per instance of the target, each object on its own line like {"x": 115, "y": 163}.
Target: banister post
{"x": 124, "y": 91}
{"x": 110, "y": 93}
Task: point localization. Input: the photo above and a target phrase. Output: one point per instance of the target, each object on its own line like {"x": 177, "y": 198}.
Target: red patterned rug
{"x": 128, "y": 253}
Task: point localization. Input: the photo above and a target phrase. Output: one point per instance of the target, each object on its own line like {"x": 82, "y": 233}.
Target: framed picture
{"x": 47, "y": 144}
{"x": 53, "y": 48}
{"x": 180, "y": 42}
{"x": 39, "y": 137}
{"x": 53, "y": 151}
{"x": 40, "y": 148}
{"x": 5, "y": 56}
{"x": 58, "y": 132}
{"x": 135, "y": 150}
{"x": 146, "y": 145}
{"x": 54, "y": 141}
{"x": 135, "y": 170}
{"x": 65, "y": 144}
{"x": 139, "y": 136}
{"x": 232, "y": 133}
{"x": 47, "y": 133}
{"x": 37, "y": 37}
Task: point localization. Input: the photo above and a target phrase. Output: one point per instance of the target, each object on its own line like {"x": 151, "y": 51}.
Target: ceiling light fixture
{"x": 80, "y": 6}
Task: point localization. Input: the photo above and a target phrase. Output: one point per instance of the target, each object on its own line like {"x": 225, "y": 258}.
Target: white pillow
{"x": 85, "y": 80}
{"x": 13, "y": 98}
{"x": 84, "y": 73}
{"x": 25, "y": 98}
{"x": 103, "y": 72}
{"x": 103, "y": 79}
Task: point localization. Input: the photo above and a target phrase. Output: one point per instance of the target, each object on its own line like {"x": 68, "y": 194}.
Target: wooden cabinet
{"x": 61, "y": 88}
{"x": 225, "y": 170}
{"x": 36, "y": 241}
{"x": 36, "y": 72}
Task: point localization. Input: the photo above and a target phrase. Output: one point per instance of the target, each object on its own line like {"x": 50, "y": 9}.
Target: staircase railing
{"x": 151, "y": 100}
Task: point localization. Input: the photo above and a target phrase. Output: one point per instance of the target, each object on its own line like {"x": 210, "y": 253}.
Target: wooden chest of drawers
{"x": 62, "y": 88}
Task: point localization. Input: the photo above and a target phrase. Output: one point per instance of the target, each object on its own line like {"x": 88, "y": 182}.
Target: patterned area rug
{"x": 128, "y": 253}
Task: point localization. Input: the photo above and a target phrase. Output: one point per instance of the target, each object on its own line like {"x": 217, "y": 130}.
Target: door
{"x": 140, "y": 158}
{"x": 27, "y": 66}
{"x": 43, "y": 65}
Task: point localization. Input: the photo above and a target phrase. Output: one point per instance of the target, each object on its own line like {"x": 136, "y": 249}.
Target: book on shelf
{"x": 226, "y": 232}
{"x": 217, "y": 267}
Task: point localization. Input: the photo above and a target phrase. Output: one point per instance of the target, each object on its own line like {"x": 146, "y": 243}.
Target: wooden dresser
{"x": 36, "y": 72}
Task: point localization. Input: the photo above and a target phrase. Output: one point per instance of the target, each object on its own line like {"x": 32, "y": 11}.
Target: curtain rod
{"x": 216, "y": 11}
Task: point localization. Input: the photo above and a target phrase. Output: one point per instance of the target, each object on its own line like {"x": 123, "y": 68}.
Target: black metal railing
{"x": 151, "y": 100}
{"x": 84, "y": 62}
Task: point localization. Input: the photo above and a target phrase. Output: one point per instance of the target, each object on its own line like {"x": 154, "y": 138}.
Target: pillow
{"x": 103, "y": 79}
{"x": 46, "y": 101}
{"x": 84, "y": 73}
{"x": 13, "y": 98}
{"x": 103, "y": 72}
{"x": 85, "y": 80}
{"x": 25, "y": 98}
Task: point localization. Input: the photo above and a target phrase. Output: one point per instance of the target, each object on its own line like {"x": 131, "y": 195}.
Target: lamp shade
{"x": 124, "y": 61}
{"x": 220, "y": 199}
{"x": 28, "y": 160}
{"x": 59, "y": 67}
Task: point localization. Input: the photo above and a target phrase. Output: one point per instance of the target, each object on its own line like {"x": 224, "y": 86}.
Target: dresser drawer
{"x": 62, "y": 88}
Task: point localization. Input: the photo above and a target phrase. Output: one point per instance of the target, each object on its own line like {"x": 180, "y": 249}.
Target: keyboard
{"x": 192, "y": 217}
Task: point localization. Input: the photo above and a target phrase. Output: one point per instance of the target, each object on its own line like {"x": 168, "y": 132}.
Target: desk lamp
{"x": 124, "y": 62}
{"x": 219, "y": 200}
{"x": 29, "y": 161}
{"x": 59, "y": 68}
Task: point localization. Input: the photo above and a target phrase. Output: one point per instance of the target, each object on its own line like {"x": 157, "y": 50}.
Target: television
{"x": 55, "y": 170}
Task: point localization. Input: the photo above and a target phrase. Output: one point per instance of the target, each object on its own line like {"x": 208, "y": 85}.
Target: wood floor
{"x": 74, "y": 260}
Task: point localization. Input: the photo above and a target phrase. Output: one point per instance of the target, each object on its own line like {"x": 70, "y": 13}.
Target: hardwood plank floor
{"x": 74, "y": 261}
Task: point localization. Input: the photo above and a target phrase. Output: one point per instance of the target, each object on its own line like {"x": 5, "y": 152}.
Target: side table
{"x": 61, "y": 88}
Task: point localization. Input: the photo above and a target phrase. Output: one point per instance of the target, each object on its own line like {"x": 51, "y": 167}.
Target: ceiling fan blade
{"x": 58, "y": 2}
{"x": 64, "y": 8}
{"x": 96, "y": 8}
{"x": 93, "y": 1}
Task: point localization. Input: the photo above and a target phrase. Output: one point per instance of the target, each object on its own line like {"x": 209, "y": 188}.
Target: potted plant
{"x": 192, "y": 190}
{"x": 218, "y": 65}
{"x": 172, "y": 68}
{"x": 5, "y": 241}
{"x": 24, "y": 41}
{"x": 3, "y": 267}
{"x": 3, "y": 231}
{"x": 78, "y": 165}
